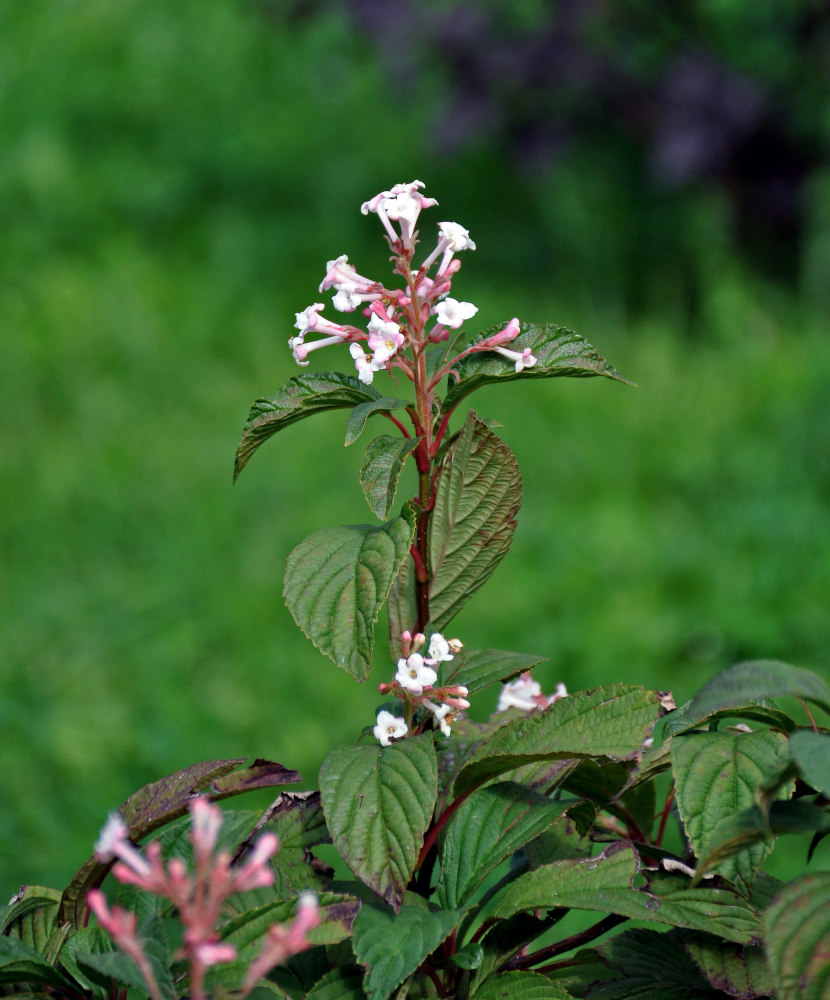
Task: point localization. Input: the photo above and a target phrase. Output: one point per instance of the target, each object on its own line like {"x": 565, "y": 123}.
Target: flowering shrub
{"x": 478, "y": 859}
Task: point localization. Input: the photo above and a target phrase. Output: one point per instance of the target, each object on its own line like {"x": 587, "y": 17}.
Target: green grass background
{"x": 174, "y": 178}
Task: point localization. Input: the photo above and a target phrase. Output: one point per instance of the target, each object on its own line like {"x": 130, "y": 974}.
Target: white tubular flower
{"x": 521, "y": 693}
{"x": 403, "y": 204}
{"x": 340, "y": 272}
{"x": 439, "y": 648}
{"x": 363, "y": 364}
{"x": 414, "y": 674}
{"x": 389, "y": 728}
{"x": 522, "y": 359}
{"x": 452, "y": 313}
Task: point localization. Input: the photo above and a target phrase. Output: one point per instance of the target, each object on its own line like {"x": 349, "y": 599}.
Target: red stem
{"x": 665, "y": 817}
{"x": 438, "y": 826}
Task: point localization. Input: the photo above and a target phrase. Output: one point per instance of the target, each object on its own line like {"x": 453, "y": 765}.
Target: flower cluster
{"x": 526, "y": 693}
{"x": 398, "y": 317}
{"x": 416, "y": 675}
{"x": 199, "y": 897}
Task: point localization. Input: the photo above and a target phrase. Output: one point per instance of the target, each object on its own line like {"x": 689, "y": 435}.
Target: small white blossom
{"x": 439, "y": 648}
{"x": 389, "y": 728}
{"x": 443, "y": 716}
{"x": 308, "y": 318}
{"x": 521, "y": 693}
{"x": 457, "y": 235}
{"x": 414, "y": 674}
{"x": 453, "y": 313}
{"x": 385, "y": 338}
{"x": 363, "y": 364}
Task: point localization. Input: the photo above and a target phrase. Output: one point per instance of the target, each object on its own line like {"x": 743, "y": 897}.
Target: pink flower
{"x": 385, "y": 338}
{"x": 403, "y": 204}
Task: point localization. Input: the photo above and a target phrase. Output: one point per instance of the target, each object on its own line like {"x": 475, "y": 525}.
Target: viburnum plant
{"x": 601, "y": 844}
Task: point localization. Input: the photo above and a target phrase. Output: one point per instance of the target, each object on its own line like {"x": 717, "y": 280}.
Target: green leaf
{"x": 740, "y": 971}
{"x": 378, "y": 802}
{"x": 381, "y": 469}
{"x": 520, "y": 986}
{"x": 340, "y": 984}
{"x": 32, "y": 919}
{"x": 403, "y": 608}
{"x": 477, "y": 669}
{"x": 361, "y": 413}
{"x": 605, "y": 884}
{"x": 391, "y": 945}
{"x": 118, "y": 966}
{"x": 610, "y": 721}
{"x": 651, "y": 965}
{"x": 477, "y": 496}
{"x": 490, "y": 825}
{"x": 811, "y": 752}
{"x": 20, "y": 963}
{"x": 337, "y": 580}
{"x": 717, "y": 774}
{"x": 300, "y": 397}
{"x": 797, "y": 937}
{"x": 557, "y": 351}
{"x": 756, "y": 680}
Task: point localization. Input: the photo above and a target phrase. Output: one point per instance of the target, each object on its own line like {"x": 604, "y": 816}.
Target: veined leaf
{"x": 20, "y": 963}
{"x": 477, "y": 669}
{"x": 651, "y": 965}
{"x": 378, "y": 803}
{"x": 490, "y": 825}
{"x": 758, "y": 679}
{"x": 739, "y": 971}
{"x": 302, "y": 396}
{"x": 811, "y": 752}
{"x": 610, "y": 721}
{"x": 381, "y": 469}
{"x": 557, "y": 351}
{"x": 761, "y": 710}
{"x": 391, "y": 945}
{"x": 361, "y": 413}
{"x": 335, "y": 583}
{"x": 717, "y": 774}
{"x": 403, "y": 609}
{"x": 797, "y": 938}
{"x": 605, "y": 884}
{"x": 472, "y": 524}
{"x": 520, "y": 985}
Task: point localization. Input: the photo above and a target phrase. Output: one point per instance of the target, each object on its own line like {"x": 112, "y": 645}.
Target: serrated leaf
{"x": 120, "y": 967}
{"x": 811, "y": 752}
{"x": 335, "y": 583}
{"x": 32, "y": 919}
{"x": 797, "y": 938}
{"x": 361, "y": 413}
{"x": 378, "y": 803}
{"x": 381, "y": 469}
{"x": 610, "y": 721}
{"x": 558, "y": 352}
{"x": 403, "y": 608}
{"x": 391, "y": 945}
{"x": 605, "y": 884}
{"x": 477, "y": 669}
{"x": 758, "y": 679}
{"x": 302, "y": 396}
{"x": 520, "y": 985}
{"x": 490, "y": 825}
{"x": 650, "y": 965}
{"x": 477, "y": 496}
{"x": 717, "y": 774}
{"x": 739, "y": 971}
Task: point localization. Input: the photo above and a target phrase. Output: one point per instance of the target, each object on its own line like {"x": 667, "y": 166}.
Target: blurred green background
{"x": 174, "y": 177}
